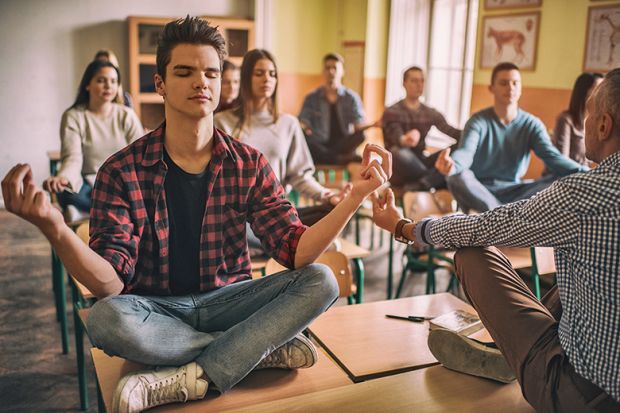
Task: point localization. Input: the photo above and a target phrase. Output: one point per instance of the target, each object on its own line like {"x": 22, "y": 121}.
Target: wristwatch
{"x": 398, "y": 233}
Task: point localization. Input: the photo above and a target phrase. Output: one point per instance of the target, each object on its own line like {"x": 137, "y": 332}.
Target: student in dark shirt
{"x": 405, "y": 127}
{"x": 164, "y": 300}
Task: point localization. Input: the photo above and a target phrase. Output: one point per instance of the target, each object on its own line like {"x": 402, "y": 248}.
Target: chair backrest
{"x": 336, "y": 260}
{"x": 545, "y": 260}
{"x": 82, "y": 232}
{"x": 419, "y": 205}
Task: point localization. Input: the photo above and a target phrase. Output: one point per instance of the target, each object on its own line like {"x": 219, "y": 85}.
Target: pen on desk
{"x": 415, "y": 318}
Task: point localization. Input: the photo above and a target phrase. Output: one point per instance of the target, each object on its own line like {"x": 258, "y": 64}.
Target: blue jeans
{"x": 227, "y": 331}
{"x": 81, "y": 199}
{"x": 470, "y": 193}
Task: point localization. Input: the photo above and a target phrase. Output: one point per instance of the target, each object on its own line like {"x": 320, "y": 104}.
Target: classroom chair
{"x": 337, "y": 262}
{"x": 82, "y": 299}
{"x": 418, "y": 205}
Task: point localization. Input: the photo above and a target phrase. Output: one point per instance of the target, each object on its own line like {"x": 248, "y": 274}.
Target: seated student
{"x": 494, "y": 151}
{"x": 92, "y": 129}
{"x": 332, "y": 117}
{"x": 405, "y": 126}
{"x": 563, "y": 350}
{"x": 107, "y": 55}
{"x": 568, "y": 131}
{"x": 168, "y": 258}
{"x": 257, "y": 122}
{"x": 230, "y": 86}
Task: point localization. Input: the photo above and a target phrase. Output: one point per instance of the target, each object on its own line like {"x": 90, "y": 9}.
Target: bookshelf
{"x": 143, "y": 33}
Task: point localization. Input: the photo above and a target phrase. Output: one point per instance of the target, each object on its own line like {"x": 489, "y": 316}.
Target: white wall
{"x": 45, "y": 46}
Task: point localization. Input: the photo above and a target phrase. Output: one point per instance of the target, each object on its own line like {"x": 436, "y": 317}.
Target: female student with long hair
{"x": 91, "y": 130}
{"x": 257, "y": 122}
{"x": 568, "y": 135}
{"x": 123, "y": 97}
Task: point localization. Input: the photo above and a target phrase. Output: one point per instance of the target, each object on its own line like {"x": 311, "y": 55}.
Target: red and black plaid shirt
{"x": 129, "y": 224}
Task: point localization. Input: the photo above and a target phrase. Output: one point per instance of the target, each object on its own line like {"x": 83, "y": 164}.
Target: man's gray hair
{"x": 608, "y": 97}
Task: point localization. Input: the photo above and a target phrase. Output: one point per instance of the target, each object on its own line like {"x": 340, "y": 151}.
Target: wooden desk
{"x": 434, "y": 389}
{"x": 258, "y": 387}
{"x": 368, "y": 345}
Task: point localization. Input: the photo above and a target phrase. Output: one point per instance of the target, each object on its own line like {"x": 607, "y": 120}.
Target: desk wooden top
{"x": 258, "y": 387}
{"x": 352, "y": 250}
{"x": 434, "y": 389}
{"x": 367, "y": 345}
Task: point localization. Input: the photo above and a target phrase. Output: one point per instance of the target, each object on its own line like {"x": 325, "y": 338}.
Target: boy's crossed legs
{"x": 224, "y": 333}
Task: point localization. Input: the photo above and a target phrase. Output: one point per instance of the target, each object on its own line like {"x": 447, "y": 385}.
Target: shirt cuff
{"x": 422, "y": 232}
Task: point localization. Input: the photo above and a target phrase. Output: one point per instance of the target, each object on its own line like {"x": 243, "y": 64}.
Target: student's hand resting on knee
{"x": 56, "y": 184}
{"x": 384, "y": 211}
{"x": 28, "y": 201}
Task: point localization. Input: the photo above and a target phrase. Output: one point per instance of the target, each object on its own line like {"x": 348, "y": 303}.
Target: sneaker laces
{"x": 166, "y": 391}
{"x": 276, "y": 357}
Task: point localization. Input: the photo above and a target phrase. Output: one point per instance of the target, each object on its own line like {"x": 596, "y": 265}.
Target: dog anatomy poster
{"x": 509, "y": 38}
{"x": 602, "y": 39}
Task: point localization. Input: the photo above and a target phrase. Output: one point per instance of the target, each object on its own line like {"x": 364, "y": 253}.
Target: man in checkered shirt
{"x": 168, "y": 255}
{"x": 564, "y": 350}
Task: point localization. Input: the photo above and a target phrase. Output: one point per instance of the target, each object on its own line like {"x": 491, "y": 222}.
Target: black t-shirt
{"x": 335, "y": 130}
{"x": 186, "y": 197}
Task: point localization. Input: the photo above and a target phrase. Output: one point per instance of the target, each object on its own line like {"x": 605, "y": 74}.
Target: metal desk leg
{"x": 60, "y": 294}
{"x": 390, "y": 274}
{"x": 359, "y": 271}
{"x": 79, "y": 348}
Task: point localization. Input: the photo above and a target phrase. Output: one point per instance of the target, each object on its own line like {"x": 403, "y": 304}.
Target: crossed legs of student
{"x": 526, "y": 332}
{"x": 213, "y": 339}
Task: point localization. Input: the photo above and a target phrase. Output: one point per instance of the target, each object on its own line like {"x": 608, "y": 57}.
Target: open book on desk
{"x": 459, "y": 321}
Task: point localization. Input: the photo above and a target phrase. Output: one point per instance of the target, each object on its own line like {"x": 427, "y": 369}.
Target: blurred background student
{"x": 91, "y": 130}
{"x": 568, "y": 134}
{"x": 256, "y": 121}
{"x": 107, "y": 55}
{"x": 231, "y": 79}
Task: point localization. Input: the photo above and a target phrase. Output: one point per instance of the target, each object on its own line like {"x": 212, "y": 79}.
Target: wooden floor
{"x": 34, "y": 374}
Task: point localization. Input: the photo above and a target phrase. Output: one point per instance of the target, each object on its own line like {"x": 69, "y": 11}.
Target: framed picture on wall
{"x": 510, "y": 4}
{"x": 509, "y": 38}
{"x": 602, "y": 39}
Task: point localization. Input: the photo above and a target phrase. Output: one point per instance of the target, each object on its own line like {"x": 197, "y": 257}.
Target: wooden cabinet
{"x": 143, "y": 35}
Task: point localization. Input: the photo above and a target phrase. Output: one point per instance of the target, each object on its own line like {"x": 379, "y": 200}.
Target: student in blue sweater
{"x": 494, "y": 151}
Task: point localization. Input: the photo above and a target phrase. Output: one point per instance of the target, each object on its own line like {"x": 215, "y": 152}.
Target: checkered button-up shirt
{"x": 129, "y": 224}
{"x": 580, "y": 217}
{"x": 398, "y": 119}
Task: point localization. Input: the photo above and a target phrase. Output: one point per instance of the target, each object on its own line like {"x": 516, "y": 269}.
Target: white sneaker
{"x": 465, "y": 355}
{"x": 299, "y": 353}
{"x": 145, "y": 389}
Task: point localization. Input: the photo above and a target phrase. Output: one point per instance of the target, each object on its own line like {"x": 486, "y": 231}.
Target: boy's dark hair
{"x": 500, "y": 67}
{"x": 190, "y": 30}
{"x": 333, "y": 56}
{"x": 228, "y": 65}
{"x": 411, "y": 69}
